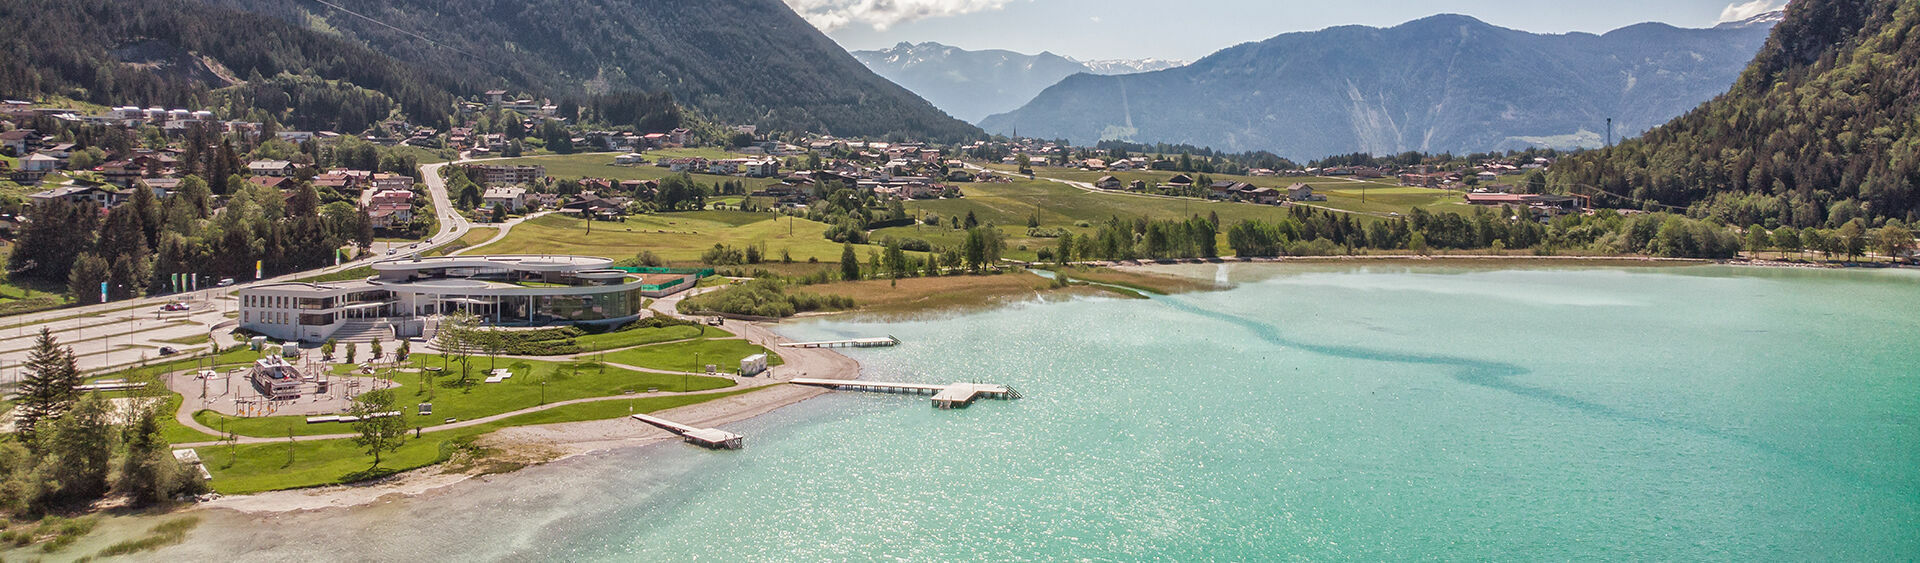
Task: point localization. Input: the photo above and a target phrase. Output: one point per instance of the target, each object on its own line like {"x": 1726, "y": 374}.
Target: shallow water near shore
{"x": 1325, "y": 412}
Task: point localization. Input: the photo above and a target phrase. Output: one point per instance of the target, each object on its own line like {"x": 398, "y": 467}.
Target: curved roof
{"x": 516, "y": 262}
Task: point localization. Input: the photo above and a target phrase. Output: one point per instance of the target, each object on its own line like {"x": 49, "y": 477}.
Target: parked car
{"x": 226, "y": 282}
{"x": 175, "y": 306}
{"x": 168, "y": 351}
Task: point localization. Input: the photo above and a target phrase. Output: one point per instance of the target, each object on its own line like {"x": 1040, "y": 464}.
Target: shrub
{"x": 764, "y": 298}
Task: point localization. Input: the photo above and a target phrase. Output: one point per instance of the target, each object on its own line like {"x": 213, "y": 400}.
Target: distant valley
{"x": 971, "y": 85}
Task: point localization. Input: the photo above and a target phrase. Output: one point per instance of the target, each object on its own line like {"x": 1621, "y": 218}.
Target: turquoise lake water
{"x": 1310, "y": 412}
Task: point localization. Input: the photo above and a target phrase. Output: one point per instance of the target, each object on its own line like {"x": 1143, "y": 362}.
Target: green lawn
{"x": 640, "y": 336}
{"x": 563, "y": 381}
{"x": 253, "y": 468}
{"x": 675, "y": 237}
{"x": 473, "y": 236}
{"x": 692, "y": 355}
{"x": 173, "y": 430}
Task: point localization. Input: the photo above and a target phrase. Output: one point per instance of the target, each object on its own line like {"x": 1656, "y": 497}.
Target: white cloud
{"x": 1742, "y": 10}
{"x": 829, "y": 15}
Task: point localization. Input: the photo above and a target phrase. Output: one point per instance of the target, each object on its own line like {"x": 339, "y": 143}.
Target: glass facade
{"x": 542, "y": 309}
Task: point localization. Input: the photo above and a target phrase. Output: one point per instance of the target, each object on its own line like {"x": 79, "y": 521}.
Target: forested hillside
{"x": 1822, "y": 128}
{"x": 177, "y": 53}
{"x": 738, "y": 61}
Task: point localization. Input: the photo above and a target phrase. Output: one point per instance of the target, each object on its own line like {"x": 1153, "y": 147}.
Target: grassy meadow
{"x": 676, "y": 237}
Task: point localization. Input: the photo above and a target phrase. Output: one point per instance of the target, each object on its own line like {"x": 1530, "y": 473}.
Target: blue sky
{"x": 1101, "y": 29}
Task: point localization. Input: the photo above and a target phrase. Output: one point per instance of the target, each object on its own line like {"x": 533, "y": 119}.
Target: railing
{"x": 661, "y": 286}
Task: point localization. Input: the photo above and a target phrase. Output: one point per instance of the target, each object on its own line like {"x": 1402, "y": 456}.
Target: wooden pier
{"x": 710, "y": 438}
{"x": 949, "y": 396}
{"x": 852, "y": 343}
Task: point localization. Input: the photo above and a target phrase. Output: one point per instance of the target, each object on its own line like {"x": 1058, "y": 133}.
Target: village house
{"x": 506, "y": 174}
{"x": 1303, "y": 192}
{"x": 686, "y": 164}
{"x": 513, "y": 198}
{"x": 41, "y": 163}
{"x": 762, "y": 168}
{"x": 385, "y": 181}
{"x": 389, "y": 196}
{"x": 335, "y": 181}
{"x": 17, "y": 142}
{"x": 390, "y": 215}
{"x": 121, "y": 173}
{"x": 1179, "y": 182}
{"x": 630, "y": 159}
{"x": 162, "y": 187}
{"x": 1107, "y": 183}
{"x": 1228, "y": 189}
{"x": 275, "y": 168}
{"x": 1268, "y": 196}
{"x": 725, "y": 167}
{"x": 274, "y": 182}
{"x": 77, "y": 194}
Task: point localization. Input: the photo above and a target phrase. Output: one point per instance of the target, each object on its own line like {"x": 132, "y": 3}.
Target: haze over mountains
{"x": 971, "y": 85}
{"x": 1442, "y": 83}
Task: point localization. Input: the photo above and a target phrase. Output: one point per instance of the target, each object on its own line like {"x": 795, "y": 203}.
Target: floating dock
{"x": 852, "y": 343}
{"x": 949, "y": 396}
{"x": 710, "y": 438}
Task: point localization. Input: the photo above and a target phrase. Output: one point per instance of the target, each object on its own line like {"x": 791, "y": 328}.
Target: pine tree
{"x": 849, "y": 263}
{"x": 83, "y": 282}
{"x": 49, "y": 388}
{"x": 78, "y": 453}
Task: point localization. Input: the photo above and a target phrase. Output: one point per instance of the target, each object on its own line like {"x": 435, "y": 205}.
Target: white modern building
{"x": 405, "y": 296}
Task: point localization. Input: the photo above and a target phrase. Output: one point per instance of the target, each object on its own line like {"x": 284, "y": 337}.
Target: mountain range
{"x": 735, "y": 61}
{"x": 971, "y": 85}
{"x": 1438, "y": 84}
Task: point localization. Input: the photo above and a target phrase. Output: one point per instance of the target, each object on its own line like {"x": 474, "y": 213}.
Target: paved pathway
{"x": 187, "y": 420}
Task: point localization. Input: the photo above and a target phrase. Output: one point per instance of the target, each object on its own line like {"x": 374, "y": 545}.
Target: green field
{"x": 691, "y": 355}
{"x": 1381, "y": 195}
{"x": 675, "y": 237}
{"x": 254, "y": 468}
{"x": 600, "y": 165}
{"x": 562, "y": 380}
